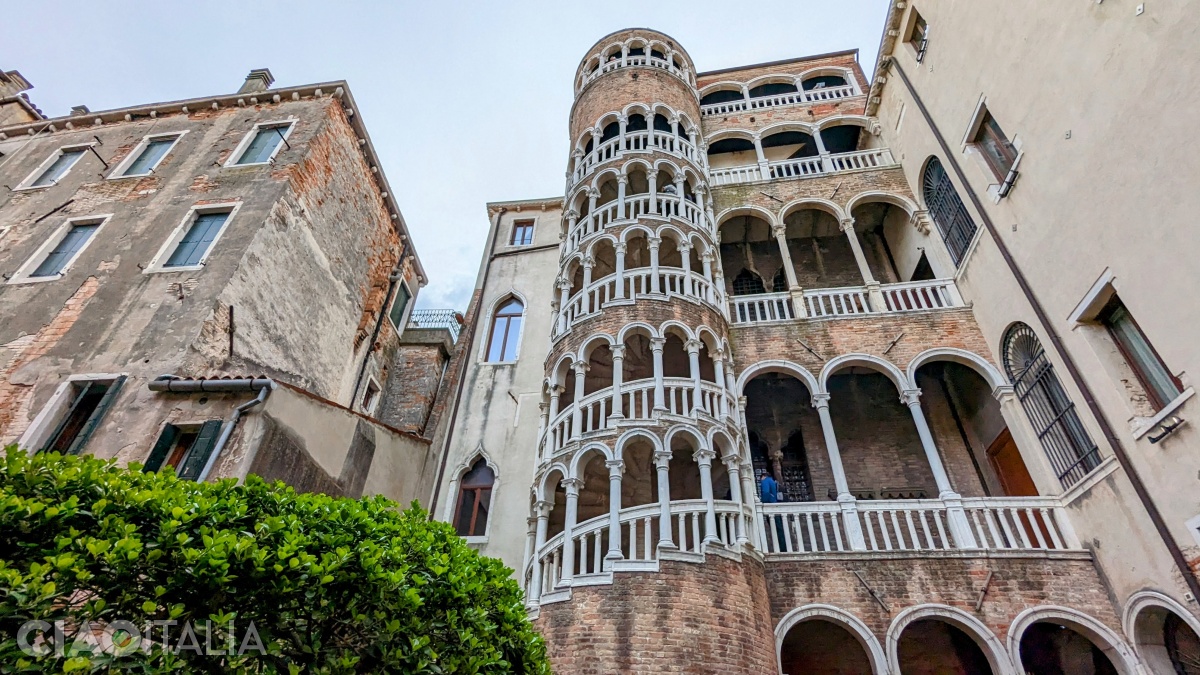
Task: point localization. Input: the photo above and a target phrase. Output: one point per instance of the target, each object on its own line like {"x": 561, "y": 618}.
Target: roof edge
{"x": 781, "y": 62}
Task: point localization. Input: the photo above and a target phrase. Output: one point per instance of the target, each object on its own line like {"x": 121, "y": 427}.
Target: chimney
{"x": 12, "y": 83}
{"x": 259, "y": 79}
{"x": 79, "y": 110}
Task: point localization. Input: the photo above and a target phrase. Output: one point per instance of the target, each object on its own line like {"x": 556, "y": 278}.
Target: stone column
{"x": 960, "y": 528}
{"x": 530, "y": 542}
{"x": 622, "y": 181}
{"x": 618, "y": 403}
{"x": 732, "y": 466}
{"x": 652, "y": 179}
{"x": 581, "y": 368}
{"x": 706, "y": 261}
{"x": 615, "y": 468}
{"x": 593, "y": 195}
{"x": 780, "y": 232}
{"x": 588, "y": 264}
{"x": 679, "y": 182}
{"x": 662, "y": 462}
{"x": 718, "y": 360}
{"x": 620, "y": 249}
{"x": 555, "y": 392}
{"x": 849, "y": 508}
{"x": 564, "y": 287}
{"x": 763, "y": 167}
{"x": 656, "y": 346}
{"x": 874, "y": 294}
{"x": 542, "y": 511}
{"x": 572, "y": 486}
{"x": 693, "y": 350}
{"x": 826, "y": 162}
{"x": 622, "y": 121}
{"x": 704, "y": 457}
{"x": 543, "y": 423}
{"x": 654, "y": 243}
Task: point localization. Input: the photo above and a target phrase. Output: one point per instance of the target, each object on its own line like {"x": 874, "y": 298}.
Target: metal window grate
{"x": 947, "y": 210}
{"x": 436, "y": 318}
{"x": 1052, "y": 413}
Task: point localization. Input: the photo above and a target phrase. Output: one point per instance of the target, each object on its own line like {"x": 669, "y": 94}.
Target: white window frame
{"x": 374, "y": 403}
{"x": 119, "y": 172}
{"x": 287, "y": 124}
{"x": 412, "y": 300}
{"x": 22, "y": 275}
{"x": 36, "y": 173}
{"x": 157, "y": 264}
{"x": 52, "y": 413}
{"x": 512, "y": 229}
{"x": 969, "y": 148}
{"x": 486, "y": 344}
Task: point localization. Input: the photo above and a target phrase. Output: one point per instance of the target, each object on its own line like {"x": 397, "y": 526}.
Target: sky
{"x": 466, "y": 102}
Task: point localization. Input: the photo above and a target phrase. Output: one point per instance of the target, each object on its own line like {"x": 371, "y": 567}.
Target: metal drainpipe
{"x": 1110, "y": 434}
{"x": 462, "y": 372}
{"x": 393, "y": 281}
{"x": 226, "y": 432}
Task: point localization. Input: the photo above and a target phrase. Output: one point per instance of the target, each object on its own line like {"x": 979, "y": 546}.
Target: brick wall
{"x": 706, "y": 618}
{"x": 613, "y": 91}
{"x": 418, "y": 367}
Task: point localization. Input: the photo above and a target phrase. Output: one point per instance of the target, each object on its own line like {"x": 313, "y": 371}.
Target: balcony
{"x": 627, "y": 209}
{"x": 627, "y": 60}
{"x": 634, "y": 142}
{"x": 912, "y": 296}
{"x": 807, "y": 97}
{"x": 635, "y": 284}
{"x": 805, "y": 167}
{"x": 437, "y": 318}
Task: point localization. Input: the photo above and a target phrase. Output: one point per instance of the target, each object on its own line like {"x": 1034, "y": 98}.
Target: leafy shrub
{"x": 331, "y": 585}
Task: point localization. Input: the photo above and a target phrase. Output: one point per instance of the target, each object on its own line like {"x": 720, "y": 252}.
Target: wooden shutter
{"x": 166, "y": 441}
{"x": 197, "y": 455}
{"x": 93, "y": 421}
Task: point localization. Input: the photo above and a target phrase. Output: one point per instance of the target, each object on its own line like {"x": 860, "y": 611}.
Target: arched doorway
{"x": 818, "y": 646}
{"x": 936, "y": 647}
{"x": 1052, "y": 648}
{"x": 1165, "y": 635}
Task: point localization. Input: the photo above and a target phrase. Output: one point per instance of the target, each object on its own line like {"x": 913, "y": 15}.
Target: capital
{"x": 616, "y": 467}
{"x": 685, "y": 247}
{"x": 653, "y": 242}
{"x": 704, "y": 457}
{"x": 779, "y": 230}
{"x": 572, "y": 214}
{"x": 593, "y": 193}
{"x": 564, "y": 284}
{"x": 733, "y": 463}
{"x": 820, "y": 400}
{"x": 1004, "y": 393}
{"x": 623, "y": 179}
{"x": 662, "y": 459}
{"x": 846, "y": 224}
{"x": 589, "y": 261}
{"x": 920, "y": 221}
{"x": 581, "y": 367}
{"x": 910, "y": 397}
{"x": 572, "y": 486}
{"x": 693, "y": 346}
{"x": 656, "y": 343}
{"x": 652, "y": 174}
{"x": 621, "y": 247}
{"x": 618, "y": 352}
{"x": 542, "y": 508}
{"x": 622, "y": 119}
{"x": 557, "y": 390}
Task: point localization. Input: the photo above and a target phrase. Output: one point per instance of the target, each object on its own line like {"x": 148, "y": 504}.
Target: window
{"x": 261, "y": 144}
{"x": 474, "y": 500}
{"x": 918, "y": 37}
{"x": 748, "y": 283}
{"x": 186, "y": 448}
{"x": 193, "y": 240}
{"x": 1051, "y": 412}
{"x": 522, "y": 234}
{"x": 947, "y": 209}
{"x": 370, "y": 396}
{"x": 73, "y": 415}
{"x": 55, "y": 168}
{"x": 399, "y": 304}
{"x": 1161, "y": 386}
{"x": 145, "y": 157}
{"x": 57, "y": 254}
{"x": 506, "y": 332}
{"x": 994, "y": 145}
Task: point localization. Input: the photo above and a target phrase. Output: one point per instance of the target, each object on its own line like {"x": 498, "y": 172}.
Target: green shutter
{"x": 93, "y": 421}
{"x": 166, "y": 441}
{"x": 202, "y": 447}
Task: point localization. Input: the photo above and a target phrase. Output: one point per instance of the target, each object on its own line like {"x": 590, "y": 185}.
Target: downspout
{"x": 393, "y": 280}
{"x": 465, "y": 350}
{"x": 1109, "y": 432}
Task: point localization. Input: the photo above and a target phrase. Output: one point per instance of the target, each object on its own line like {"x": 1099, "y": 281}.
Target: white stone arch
{"x": 730, "y": 133}
{"x": 1102, "y": 636}
{"x": 610, "y": 117}
{"x": 480, "y": 452}
{"x": 563, "y": 364}
{"x": 975, "y": 362}
{"x": 686, "y": 123}
{"x": 594, "y": 242}
{"x": 1138, "y": 609}
{"x": 510, "y": 293}
{"x": 661, "y": 165}
{"x": 630, "y": 231}
{"x": 879, "y": 196}
{"x": 699, "y": 243}
{"x": 610, "y": 172}
{"x": 778, "y": 127}
{"x": 687, "y": 429}
{"x": 842, "y": 120}
{"x": 583, "y": 455}
{"x": 636, "y": 162}
{"x": 712, "y": 344}
{"x": 677, "y": 235}
{"x": 574, "y": 258}
{"x": 756, "y": 211}
{"x": 876, "y": 363}
{"x": 723, "y": 85}
{"x": 637, "y": 108}
{"x": 540, "y": 490}
{"x": 811, "y": 203}
{"x": 635, "y": 326}
{"x": 579, "y": 197}
{"x": 844, "y": 73}
{"x": 589, "y": 344}
{"x": 730, "y": 444}
{"x": 987, "y": 641}
{"x": 777, "y": 366}
{"x": 772, "y": 78}
{"x": 681, "y": 326}
{"x": 838, "y": 617}
{"x": 631, "y": 435}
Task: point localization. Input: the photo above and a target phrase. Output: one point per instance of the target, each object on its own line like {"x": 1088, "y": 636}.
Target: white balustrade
{"x": 797, "y": 168}
{"x": 734, "y": 174}
{"x": 918, "y": 295}
{"x": 761, "y": 308}
{"x": 631, "y": 60}
{"x": 635, "y": 141}
{"x": 790, "y": 98}
{"x": 608, "y": 214}
{"x": 673, "y": 282}
{"x": 836, "y": 301}
{"x": 910, "y": 296}
{"x": 863, "y": 159}
{"x": 803, "y": 167}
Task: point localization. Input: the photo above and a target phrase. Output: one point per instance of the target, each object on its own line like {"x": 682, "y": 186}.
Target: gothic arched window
{"x": 474, "y": 500}
{"x": 506, "y": 331}
{"x": 748, "y": 283}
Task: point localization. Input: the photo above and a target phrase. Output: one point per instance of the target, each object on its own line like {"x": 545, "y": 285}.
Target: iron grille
{"x": 947, "y": 210}
{"x": 1052, "y": 413}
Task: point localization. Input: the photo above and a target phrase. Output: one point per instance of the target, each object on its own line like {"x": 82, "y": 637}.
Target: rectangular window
{"x": 370, "y": 396}
{"x": 1161, "y": 386}
{"x": 918, "y": 38}
{"x": 193, "y": 248}
{"x": 399, "y": 304}
{"x": 57, "y": 167}
{"x": 997, "y": 150}
{"x": 152, "y": 151}
{"x": 185, "y": 448}
{"x": 67, "y": 248}
{"x": 264, "y": 143}
{"x": 77, "y": 414}
{"x": 522, "y": 234}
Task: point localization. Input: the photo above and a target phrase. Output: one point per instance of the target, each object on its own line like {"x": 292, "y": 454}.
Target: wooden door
{"x": 1010, "y": 468}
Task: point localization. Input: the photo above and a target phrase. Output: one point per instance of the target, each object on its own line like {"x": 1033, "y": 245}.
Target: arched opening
{"x": 637, "y": 122}
{"x": 823, "y": 82}
{"x": 1049, "y": 648}
{"x": 721, "y": 96}
{"x": 893, "y": 248}
{"x": 675, "y": 357}
{"x": 474, "y": 500}
{"x": 610, "y": 131}
{"x": 600, "y": 370}
{"x": 821, "y": 647}
{"x": 639, "y": 184}
{"x": 785, "y": 432}
{"x": 661, "y": 123}
{"x": 772, "y": 89}
{"x": 936, "y": 647}
{"x": 604, "y": 259}
{"x": 731, "y": 152}
{"x": 1166, "y": 642}
{"x": 505, "y": 337}
{"x": 749, "y": 254}
{"x": 637, "y": 368}
{"x": 637, "y": 251}
{"x": 593, "y": 497}
{"x": 881, "y": 451}
{"x": 684, "y": 473}
{"x": 789, "y": 145}
{"x": 820, "y": 251}
{"x": 608, "y": 191}
{"x": 556, "y": 494}
{"x": 668, "y": 251}
{"x": 841, "y": 138}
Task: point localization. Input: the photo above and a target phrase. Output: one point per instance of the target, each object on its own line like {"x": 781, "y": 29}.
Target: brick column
{"x": 615, "y": 468}
{"x": 572, "y": 486}
{"x": 662, "y": 462}
{"x": 960, "y": 528}
{"x": 704, "y": 458}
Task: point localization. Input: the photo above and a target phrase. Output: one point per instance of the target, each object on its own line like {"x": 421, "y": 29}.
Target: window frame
{"x": 366, "y": 406}
{"x": 47, "y": 419}
{"x": 1104, "y": 319}
{"x": 521, "y": 223}
{"x": 158, "y": 262}
{"x": 27, "y": 183}
{"x": 24, "y": 273}
{"x": 978, "y": 140}
{"x": 118, "y": 172}
{"x": 402, "y": 283}
{"x": 493, "y": 315}
{"x": 287, "y": 124}
{"x": 921, "y": 46}
{"x": 462, "y": 489}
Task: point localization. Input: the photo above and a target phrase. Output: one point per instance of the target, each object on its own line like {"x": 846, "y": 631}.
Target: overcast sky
{"x": 466, "y": 102}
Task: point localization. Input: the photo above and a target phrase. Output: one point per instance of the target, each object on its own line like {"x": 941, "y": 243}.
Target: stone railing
{"x": 630, "y": 61}
{"x": 802, "y": 167}
{"x": 994, "y": 524}
{"x": 779, "y": 100}
{"x": 635, "y": 142}
{"x": 437, "y": 318}
{"x": 633, "y": 207}
{"x": 634, "y": 284}
{"x": 911, "y": 296}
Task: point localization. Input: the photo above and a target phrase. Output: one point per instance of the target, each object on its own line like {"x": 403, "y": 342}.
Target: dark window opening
{"x": 730, "y": 145}
{"x": 611, "y": 131}
{"x": 843, "y": 138}
{"x": 661, "y": 123}
{"x": 947, "y": 210}
{"x": 1160, "y": 385}
{"x": 919, "y": 34}
{"x": 636, "y": 123}
{"x": 186, "y": 449}
{"x": 923, "y": 271}
{"x": 779, "y": 284}
{"x": 474, "y": 500}
{"x": 997, "y": 150}
{"x": 88, "y": 401}
{"x": 823, "y": 81}
{"x": 506, "y": 331}
{"x": 796, "y": 485}
{"x": 722, "y": 96}
{"x": 748, "y": 283}
{"x": 587, "y": 147}
{"x": 654, "y": 53}
{"x": 637, "y": 51}
{"x": 772, "y": 89}
{"x": 807, "y": 148}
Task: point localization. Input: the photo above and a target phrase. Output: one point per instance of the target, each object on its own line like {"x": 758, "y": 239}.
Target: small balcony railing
{"x": 436, "y": 318}
{"x": 634, "y": 284}
{"x": 629, "y": 61}
{"x": 779, "y": 100}
{"x": 804, "y": 167}
{"x": 911, "y": 296}
{"x": 636, "y": 206}
{"x": 635, "y": 142}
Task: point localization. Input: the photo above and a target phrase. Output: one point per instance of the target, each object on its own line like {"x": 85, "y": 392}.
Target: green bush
{"x": 331, "y": 585}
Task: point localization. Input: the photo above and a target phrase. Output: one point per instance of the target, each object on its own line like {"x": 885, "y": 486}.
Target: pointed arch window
{"x": 474, "y": 500}
{"x": 506, "y": 331}
{"x": 1052, "y": 413}
{"x": 748, "y": 283}
{"x": 947, "y": 210}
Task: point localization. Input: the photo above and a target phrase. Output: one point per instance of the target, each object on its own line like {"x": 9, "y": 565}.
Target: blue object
{"x": 769, "y": 490}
